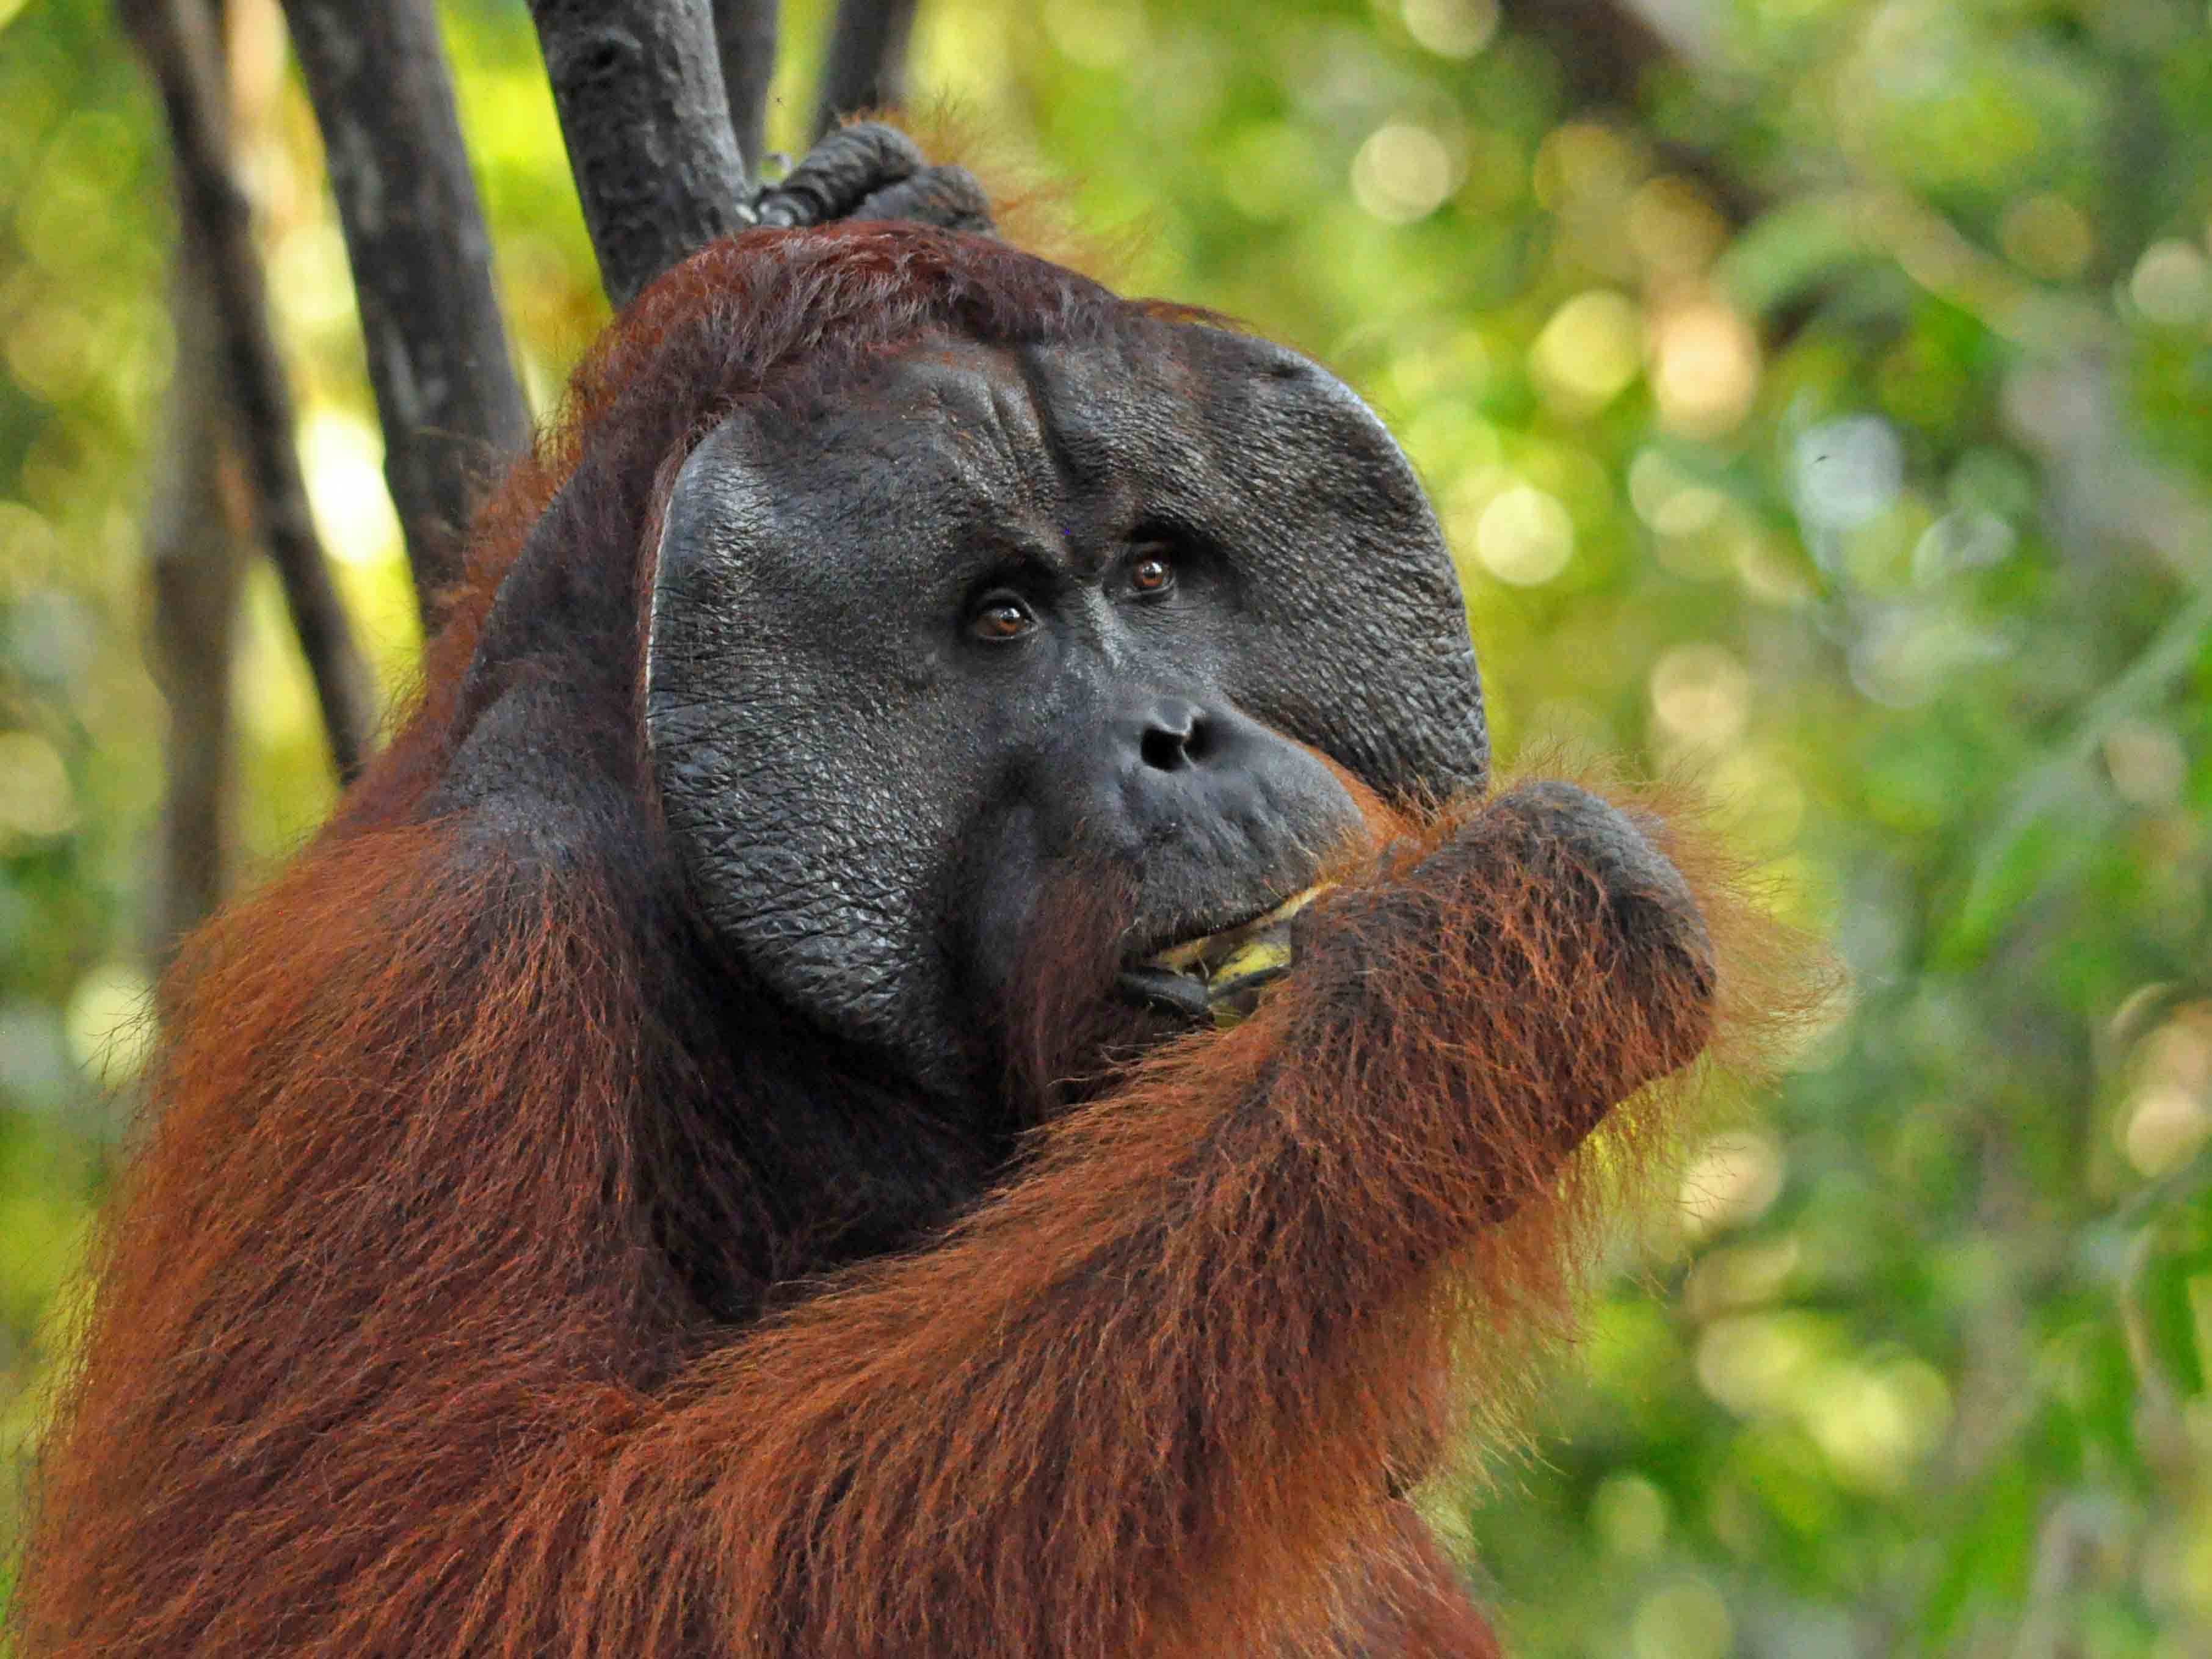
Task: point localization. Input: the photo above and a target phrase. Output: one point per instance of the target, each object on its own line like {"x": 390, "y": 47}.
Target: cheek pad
{"x": 1356, "y": 636}
{"x": 801, "y": 784}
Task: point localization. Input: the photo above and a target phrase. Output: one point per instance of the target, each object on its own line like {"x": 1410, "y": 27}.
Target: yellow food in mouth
{"x": 1216, "y": 955}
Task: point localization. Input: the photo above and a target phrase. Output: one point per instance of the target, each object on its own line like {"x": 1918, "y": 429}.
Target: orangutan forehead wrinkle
{"x": 987, "y": 409}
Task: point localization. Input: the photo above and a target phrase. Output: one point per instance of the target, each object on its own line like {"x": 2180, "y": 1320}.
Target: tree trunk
{"x": 745, "y": 31}
{"x": 638, "y": 84}
{"x": 452, "y": 411}
{"x": 866, "y": 69}
{"x": 194, "y": 539}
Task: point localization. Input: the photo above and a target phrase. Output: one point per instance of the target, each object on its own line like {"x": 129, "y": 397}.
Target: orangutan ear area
{"x": 441, "y": 1309}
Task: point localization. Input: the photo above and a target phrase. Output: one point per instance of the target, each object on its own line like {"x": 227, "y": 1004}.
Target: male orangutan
{"x": 928, "y": 1044}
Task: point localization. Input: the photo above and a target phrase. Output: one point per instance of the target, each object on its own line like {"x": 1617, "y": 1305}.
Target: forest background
{"x": 1819, "y": 396}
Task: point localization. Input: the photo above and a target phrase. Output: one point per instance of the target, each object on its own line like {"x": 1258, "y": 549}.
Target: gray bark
{"x": 867, "y": 67}
{"x": 745, "y": 31}
{"x": 194, "y": 539}
{"x": 194, "y": 542}
{"x": 446, "y": 397}
{"x": 645, "y": 118}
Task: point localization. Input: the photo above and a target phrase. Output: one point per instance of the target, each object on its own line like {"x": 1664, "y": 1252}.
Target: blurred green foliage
{"x": 1835, "y": 425}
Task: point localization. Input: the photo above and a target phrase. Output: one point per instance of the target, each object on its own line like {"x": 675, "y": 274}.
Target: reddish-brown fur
{"x": 388, "y": 1355}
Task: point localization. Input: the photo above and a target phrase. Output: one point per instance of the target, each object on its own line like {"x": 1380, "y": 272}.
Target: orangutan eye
{"x": 1001, "y": 616}
{"x": 1152, "y": 574}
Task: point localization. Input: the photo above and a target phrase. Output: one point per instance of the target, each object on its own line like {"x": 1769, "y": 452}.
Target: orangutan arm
{"x": 1184, "y": 1352}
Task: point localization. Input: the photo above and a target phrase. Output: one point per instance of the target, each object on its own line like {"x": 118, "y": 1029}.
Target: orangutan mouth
{"x": 1219, "y": 977}
{"x": 1213, "y": 955}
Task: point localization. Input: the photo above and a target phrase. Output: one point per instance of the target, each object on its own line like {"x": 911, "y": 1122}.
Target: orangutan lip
{"x": 1197, "y": 957}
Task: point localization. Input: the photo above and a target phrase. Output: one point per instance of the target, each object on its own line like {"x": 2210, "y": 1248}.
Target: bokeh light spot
{"x": 2147, "y": 764}
{"x": 1731, "y": 1182}
{"x": 1740, "y": 1277}
{"x": 309, "y": 276}
{"x": 35, "y": 798}
{"x": 27, "y": 547}
{"x": 2170, "y": 284}
{"x": 1769, "y": 573}
{"x": 2168, "y": 1116}
{"x": 1097, "y": 36}
{"x": 1669, "y": 499}
{"x": 1701, "y": 695}
{"x": 1966, "y": 539}
{"x": 1402, "y": 173}
{"x": 50, "y": 350}
{"x": 1684, "y": 1621}
{"x": 1628, "y": 1514}
{"x": 1874, "y": 1423}
{"x": 1452, "y": 29}
{"x": 1847, "y": 470}
{"x": 1590, "y": 348}
{"x": 342, "y": 458}
{"x": 1705, "y": 368}
{"x": 109, "y": 1022}
{"x": 2164, "y": 1126}
{"x": 1524, "y": 536}
{"x": 1757, "y": 1363}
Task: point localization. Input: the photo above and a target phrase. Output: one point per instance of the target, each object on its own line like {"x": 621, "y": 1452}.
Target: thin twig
{"x": 446, "y": 391}
{"x": 177, "y": 48}
{"x": 638, "y": 84}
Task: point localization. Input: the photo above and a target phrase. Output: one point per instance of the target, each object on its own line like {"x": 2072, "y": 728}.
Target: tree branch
{"x": 193, "y": 536}
{"x": 177, "y": 48}
{"x": 193, "y": 539}
{"x": 746, "y": 31}
{"x": 446, "y": 391}
{"x": 867, "y": 67}
{"x": 643, "y": 111}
